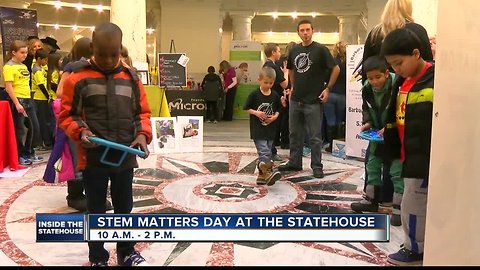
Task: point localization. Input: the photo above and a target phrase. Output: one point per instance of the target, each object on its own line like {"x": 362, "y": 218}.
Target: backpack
{"x": 212, "y": 90}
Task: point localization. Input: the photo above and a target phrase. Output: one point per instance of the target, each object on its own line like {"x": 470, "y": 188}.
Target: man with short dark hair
{"x": 312, "y": 73}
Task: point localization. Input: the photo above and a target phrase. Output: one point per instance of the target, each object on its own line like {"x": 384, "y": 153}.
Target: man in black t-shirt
{"x": 310, "y": 66}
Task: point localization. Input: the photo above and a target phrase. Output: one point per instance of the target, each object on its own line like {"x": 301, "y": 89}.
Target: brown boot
{"x": 261, "y": 175}
{"x": 270, "y": 176}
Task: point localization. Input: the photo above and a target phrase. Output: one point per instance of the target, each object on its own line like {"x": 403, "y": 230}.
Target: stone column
{"x": 221, "y": 18}
{"x": 348, "y": 25}
{"x": 130, "y": 16}
{"x": 242, "y": 25}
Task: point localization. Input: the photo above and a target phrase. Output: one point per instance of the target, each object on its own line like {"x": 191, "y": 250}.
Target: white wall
{"x": 453, "y": 215}
{"x": 425, "y": 13}
{"x": 193, "y": 25}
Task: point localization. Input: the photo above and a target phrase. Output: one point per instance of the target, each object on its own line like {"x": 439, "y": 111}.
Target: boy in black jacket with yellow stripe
{"x": 408, "y": 136}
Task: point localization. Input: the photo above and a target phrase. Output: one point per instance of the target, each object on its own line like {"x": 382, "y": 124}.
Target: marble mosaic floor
{"x": 220, "y": 179}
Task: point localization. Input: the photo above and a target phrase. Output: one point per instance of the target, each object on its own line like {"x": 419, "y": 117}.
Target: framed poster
{"x": 144, "y": 77}
{"x": 190, "y": 133}
{"x": 165, "y": 135}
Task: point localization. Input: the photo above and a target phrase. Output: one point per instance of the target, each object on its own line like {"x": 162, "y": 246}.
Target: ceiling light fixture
{"x": 80, "y": 6}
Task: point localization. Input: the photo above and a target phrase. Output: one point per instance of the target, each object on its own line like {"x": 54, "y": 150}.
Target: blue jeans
{"x": 264, "y": 150}
{"x": 305, "y": 118}
{"x": 19, "y": 122}
{"x": 335, "y": 109}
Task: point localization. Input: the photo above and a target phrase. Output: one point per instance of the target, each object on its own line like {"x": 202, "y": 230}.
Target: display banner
{"x": 186, "y": 103}
{"x": 17, "y": 24}
{"x": 355, "y": 146}
{"x": 246, "y": 58}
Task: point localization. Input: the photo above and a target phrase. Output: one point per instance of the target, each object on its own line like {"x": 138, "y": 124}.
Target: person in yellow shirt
{"x": 17, "y": 77}
{"x": 42, "y": 96}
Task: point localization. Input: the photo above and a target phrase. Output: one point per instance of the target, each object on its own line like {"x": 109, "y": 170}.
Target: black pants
{"x": 96, "y": 184}
{"x": 212, "y": 110}
{"x": 229, "y": 102}
{"x": 45, "y": 115}
{"x": 284, "y": 131}
{"x": 387, "y": 184}
{"x": 20, "y": 121}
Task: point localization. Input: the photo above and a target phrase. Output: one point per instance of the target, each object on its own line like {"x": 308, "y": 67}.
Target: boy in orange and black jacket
{"x": 104, "y": 98}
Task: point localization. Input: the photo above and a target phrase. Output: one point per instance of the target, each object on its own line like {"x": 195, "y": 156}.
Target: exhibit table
{"x": 8, "y": 143}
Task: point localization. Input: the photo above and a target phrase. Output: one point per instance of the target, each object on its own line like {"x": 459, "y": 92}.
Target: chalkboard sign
{"x": 170, "y": 72}
{"x": 17, "y": 24}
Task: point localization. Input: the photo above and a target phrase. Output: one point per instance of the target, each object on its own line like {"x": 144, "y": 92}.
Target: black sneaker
{"x": 288, "y": 168}
{"x": 79, "y": 203}
{"x": 364, "y": 206}
{"x": 108, "y": 205}
{"x": 134, "y": 259}
{"x": 405, "y": 257}
{"x": 284, "y": 146}
{"x": 99, "y": 264}
{"x": 396, "y": 220}
{"x": 318, "y": 173}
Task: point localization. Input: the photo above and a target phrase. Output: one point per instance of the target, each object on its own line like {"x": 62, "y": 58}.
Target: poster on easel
{"x": 190, "y": 133}
{"x": 172, "y": 70}
{"x": 355, "y": 145}
{"x": 165, "y": 135}
{"x": 16, "y": 24}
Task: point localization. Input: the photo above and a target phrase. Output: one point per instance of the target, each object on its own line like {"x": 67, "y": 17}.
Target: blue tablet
{"x": 113, "y": 145}
{"x": 371, "y": 135}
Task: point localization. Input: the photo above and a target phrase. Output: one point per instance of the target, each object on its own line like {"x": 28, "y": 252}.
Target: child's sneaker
{"x": 215, "y": 122}
{"x": 277, "y": 158}
{"x": 261, "y": 176}
{"x": 134, "y": 259}
{"x": 36, "y": 158}
{"x": 386, "y": 204}
{"x": 99, "y": 264}
{"x": 24, "y": 161}
{"x": 307, "y": 151}
{"x": 405, "y": 257}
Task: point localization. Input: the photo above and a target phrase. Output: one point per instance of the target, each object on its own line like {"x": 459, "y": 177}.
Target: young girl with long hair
{"x": 17, "y": 78}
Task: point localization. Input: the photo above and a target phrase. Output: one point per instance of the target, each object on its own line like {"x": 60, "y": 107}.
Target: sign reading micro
{"x": 186, "y": 103}
{"x": 191, "y": 106}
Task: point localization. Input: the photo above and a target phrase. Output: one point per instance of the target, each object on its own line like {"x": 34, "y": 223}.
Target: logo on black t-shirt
{"x": 303, "y": 62}
{"x": 267, "y": 108}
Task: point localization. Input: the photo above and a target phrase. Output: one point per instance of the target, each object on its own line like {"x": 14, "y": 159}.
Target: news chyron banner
{"x": 214, "y": 227}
